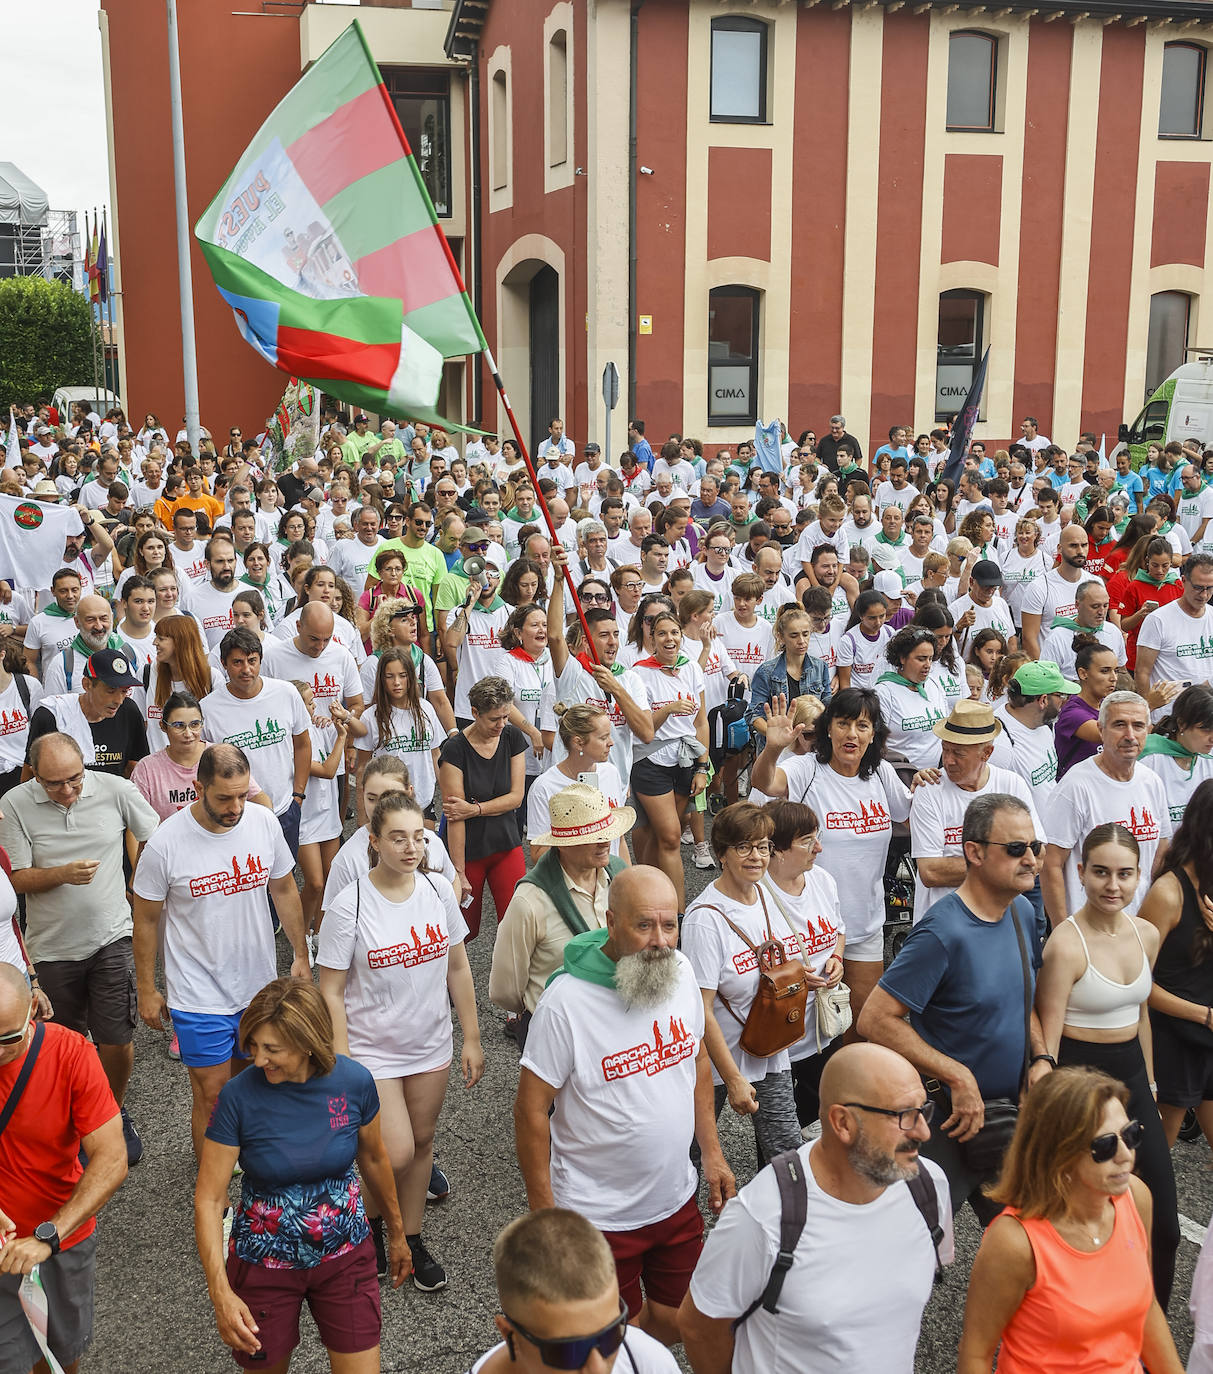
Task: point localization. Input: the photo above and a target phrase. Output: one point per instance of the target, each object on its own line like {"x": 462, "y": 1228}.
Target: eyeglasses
{"x": 906, "y": 1117}
{"x": 595, "y": 599}
{"x": 15, "y": 1037}
{"x": 57, "y": 784}
{"x": 1103, "y": 1147}
{"x": 573, "y": 1352}
{"x": 183, "y": 725}
{"x": 631, "y": 586}
{"x": 748, "y": 847}
{"x": 1200, "y": 591}
{"x": 1017, "y": 848}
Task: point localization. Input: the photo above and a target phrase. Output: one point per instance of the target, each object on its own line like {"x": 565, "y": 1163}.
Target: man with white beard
{"x": 616, "y": 1055}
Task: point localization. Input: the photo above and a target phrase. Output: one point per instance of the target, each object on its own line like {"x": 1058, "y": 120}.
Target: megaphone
{"x": 474, "y": 567}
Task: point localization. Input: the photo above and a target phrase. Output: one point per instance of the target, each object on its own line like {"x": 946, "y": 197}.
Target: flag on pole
{"x": 103, "y": 268}
{"x": 12, "y": 449}
{"x": 94, "y": 271}
{"x": 962, "y": 434}
{"x": 325, "y": 244}
{"x": 767, "y": 452}
{"x": 88, "y": 260}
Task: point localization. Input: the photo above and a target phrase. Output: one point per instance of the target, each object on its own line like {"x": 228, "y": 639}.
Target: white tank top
{"x": 1098, "y": 1002}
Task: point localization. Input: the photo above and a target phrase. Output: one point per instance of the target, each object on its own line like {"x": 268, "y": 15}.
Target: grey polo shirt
{"x": 73, "y": 921}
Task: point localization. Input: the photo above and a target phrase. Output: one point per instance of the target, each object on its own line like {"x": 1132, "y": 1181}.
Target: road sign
{"x": 610, "y": 386}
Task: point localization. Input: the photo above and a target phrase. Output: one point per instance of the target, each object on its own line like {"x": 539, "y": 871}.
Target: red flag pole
{"x": 488, "y": 356}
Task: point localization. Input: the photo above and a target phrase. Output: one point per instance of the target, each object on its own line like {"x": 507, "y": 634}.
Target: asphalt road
{"x": 153, "y": 1313}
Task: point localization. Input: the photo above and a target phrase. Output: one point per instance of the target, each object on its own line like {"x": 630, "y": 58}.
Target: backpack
{"x": 793, "y": 1212}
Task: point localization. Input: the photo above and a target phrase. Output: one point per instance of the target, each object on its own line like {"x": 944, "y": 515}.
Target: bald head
{"x": 869, "y": 1073}
{"x": 315, "y": 629}
{"x": 639, "y": 888}
{"x": 14, "y": 997}
{"x": 642, "y": 912}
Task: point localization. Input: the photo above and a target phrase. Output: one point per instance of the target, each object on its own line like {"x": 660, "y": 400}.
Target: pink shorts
{"x": 662, "y": 1255}
{"x": 342, "y": 1293}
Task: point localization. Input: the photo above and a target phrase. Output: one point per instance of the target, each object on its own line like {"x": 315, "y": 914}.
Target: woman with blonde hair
{"x": 1022, "y": 564}
{"x": 585, "y": 731}
{"x": 1061, "y": 1283}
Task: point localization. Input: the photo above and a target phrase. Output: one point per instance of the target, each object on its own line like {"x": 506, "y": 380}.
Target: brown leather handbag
{"x": 776, "y": 1016}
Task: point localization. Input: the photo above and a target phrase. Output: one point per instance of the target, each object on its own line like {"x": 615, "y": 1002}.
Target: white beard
{"x": 647, "y": 978}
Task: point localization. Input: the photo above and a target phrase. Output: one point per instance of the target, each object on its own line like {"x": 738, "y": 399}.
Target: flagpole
{"x": 109, "y": 301}
{"x": 484, "y": 345}
{"x": 94, "y": 328}
{"x": 189, "y": 352}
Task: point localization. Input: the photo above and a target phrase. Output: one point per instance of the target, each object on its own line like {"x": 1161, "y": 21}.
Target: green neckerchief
{"x": 79, "y": 646}
{"x": 549, "y": 878}
{"x": 1065, "y": 622}
{"x": 882, "y": 538}
{"x": 414, "y": 653}
{"x": 56, "y": 612}
{"x": 1142, "y": 576}
{"x": 494, "y": 605}
{"x": 1163, "y": 744}
{"x": 904, "y": 682}
{"x": 1166, "y": 527}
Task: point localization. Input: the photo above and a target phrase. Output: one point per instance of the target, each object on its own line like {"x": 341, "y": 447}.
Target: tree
{"x": 46, "y": 339}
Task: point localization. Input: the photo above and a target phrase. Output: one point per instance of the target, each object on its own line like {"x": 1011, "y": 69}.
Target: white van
{"x": 1182, "y": 408}
{"x": 98, "y": 398}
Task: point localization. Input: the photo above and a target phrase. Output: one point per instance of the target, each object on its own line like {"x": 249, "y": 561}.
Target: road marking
{"x": 1190, "y": 1230}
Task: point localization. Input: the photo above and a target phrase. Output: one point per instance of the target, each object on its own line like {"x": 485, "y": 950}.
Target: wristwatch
{"x": 47, "y": 1233}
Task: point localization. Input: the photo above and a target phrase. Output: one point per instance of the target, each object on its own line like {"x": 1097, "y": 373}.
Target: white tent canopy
{"x": 21, "y": 201}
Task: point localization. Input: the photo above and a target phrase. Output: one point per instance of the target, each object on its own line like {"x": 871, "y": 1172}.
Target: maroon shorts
{"x": 343, "y": 1295}
{"x": 661, "y": 1256}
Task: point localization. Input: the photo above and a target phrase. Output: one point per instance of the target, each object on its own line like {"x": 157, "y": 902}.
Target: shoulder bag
{"x": 18, "y": 1088}
{"x": 776, "y": 1016}
{"x": 831, "y": 1006}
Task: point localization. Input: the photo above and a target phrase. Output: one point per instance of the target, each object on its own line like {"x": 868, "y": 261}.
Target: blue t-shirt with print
{"x": 962, "y": 979}
{"x": 300, "y": 1199}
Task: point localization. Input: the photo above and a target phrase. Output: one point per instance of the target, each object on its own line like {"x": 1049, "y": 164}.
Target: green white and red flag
{"x": 325, "y": 244}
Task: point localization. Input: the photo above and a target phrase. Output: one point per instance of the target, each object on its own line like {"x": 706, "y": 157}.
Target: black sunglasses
{"x": 574, "y": 1351}
{"x": 1103, "y": 1147}
{"x": 1017, "y": 848}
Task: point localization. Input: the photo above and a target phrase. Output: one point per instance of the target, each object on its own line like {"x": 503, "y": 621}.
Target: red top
{"x": 66, "y": 1098}
{"x": 1086, "y": 1313}
{"x": 1133, "y": 598}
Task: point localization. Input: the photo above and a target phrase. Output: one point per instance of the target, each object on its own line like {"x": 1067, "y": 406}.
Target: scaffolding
{"x": 36, "y": 241}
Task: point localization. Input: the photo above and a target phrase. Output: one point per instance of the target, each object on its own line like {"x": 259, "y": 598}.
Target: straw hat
{"x": 971, "y": 722}
{"x": 580, "y": 814}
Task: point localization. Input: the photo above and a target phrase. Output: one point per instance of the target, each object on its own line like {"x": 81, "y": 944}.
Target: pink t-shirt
{"x": 170, "y": 787}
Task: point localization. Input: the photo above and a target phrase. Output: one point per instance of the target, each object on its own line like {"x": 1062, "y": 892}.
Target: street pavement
{"x": 153, "y": 1313}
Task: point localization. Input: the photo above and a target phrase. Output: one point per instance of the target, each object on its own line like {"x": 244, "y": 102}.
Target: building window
{"x": 422, "y": 100}
{"x": 739, "y": 70}
{"x": 558, "y": 99}
{"x": 1181, "y": 111}
{"x": 501, "y": 131}
{"x": 972, "y": 81}
{"x": 1167, "y": 345}
{"x": 732, "y": 355}
{"x": 958, "y": 348}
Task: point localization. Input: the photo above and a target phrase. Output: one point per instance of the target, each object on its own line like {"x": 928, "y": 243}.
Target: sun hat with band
{"x": 581, "y": 814}
{"x": 971, "y": 722}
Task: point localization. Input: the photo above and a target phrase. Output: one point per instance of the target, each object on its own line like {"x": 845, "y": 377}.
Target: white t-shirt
{"x": 1018, "y": 574}
{"x": 428, "y": 675}
{"x": 865, "y": 536}
{"x": 1178, "y": 782}
{"x": 856, "y": 817}
{"x": 1058, "y": 646}
{"x": 14, "y": 722}
{"x": 1030, "y": 753}
{"x": 396, "y": 1004}
{"x": 847, "y": 1254}
{"x": 332, "y": 676}
{"x": 717, "y": 670}
{"x": 415, "y": 746}
{"x": 721, "y": 588}
{"x": 10, "y": 948}
{"x": 351, "y": 559}
{"x": 864, "y": 656}
{"x": 1184, "y": 644}
{"x": 605, "y": 777}
{"x": 625, "y": 1081}
{"x": 888, "y": 495}
{"x": 748, "y": 647}
{"x": 1087, "y": 797}
{"x": 936, "y": 817}
{"x": 995, "y": 616}
{"x": 724, "y": 962}
{"x": 909, "y": 716}
{"x": 575, "y": 684}
{"x": 264, "y": 727}
{"x": 214, "y": 608}
{"x": 816, "y": 917}
{"x": 49, "y": 634}
{"x": 530, "y": 681}
{"x": 814, "y": 536}
{"x": 1051, "y": 596}
{"x": 1193, "y": 510}
{"x": 480, "y": 653}
{"x": 218, "y": 940}
{"x": 781, "y": 595}
{"x": 353, "y": 860}
{"x": 685, "y": 684}
{"x": 952, "y": 684}
{"x": 190, "y": 563}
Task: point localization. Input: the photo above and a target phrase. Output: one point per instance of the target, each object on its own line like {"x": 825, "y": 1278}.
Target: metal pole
{"x": 94, "y": 325}
{"x": 109, "y": 306}
{"x": 189, "y": 352}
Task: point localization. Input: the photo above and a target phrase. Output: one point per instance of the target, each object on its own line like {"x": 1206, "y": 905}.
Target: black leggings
{"x": 1124, "y": 1060}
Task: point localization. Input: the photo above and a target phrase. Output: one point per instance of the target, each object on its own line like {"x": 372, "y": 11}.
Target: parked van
{"x": 1182, "y": 408}
{"x": 98, "y": 398}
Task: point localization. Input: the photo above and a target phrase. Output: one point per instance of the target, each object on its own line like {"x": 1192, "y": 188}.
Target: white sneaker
{"x": 702, "y": 858}
{"x": 687, "y": 837}
{"x": 812, "y": 1131}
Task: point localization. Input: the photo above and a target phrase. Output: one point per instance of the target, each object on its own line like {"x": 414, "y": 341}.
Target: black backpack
{"x": 793, "y": 1212}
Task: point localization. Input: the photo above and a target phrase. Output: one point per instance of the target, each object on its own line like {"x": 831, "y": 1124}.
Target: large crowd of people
{"x": 321, "y": 719}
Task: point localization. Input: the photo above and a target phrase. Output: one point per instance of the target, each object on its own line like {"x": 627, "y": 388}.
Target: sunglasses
{"x": 574, "y": 1352}
{"x": 595, "y": 598}
{"x": 15, "y": 1037}
{"x": 480, "y": 547}
{"x": 1103, "y": 1147}
{"x": 1017, "y": 848}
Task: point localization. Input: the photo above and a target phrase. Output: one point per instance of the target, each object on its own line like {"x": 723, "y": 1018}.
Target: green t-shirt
{"x": 391, "y": 448}
{"x": 452, "y": 591}
{"x": 354, "y": 447}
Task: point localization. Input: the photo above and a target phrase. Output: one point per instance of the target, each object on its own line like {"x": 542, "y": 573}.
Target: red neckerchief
{"x": 521, "y": 653}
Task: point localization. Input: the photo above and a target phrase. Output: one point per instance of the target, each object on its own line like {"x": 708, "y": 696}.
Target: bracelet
{"x": 1209, "y": 1018}
{"x": 1154, "y": 1088}
{"x": 1047, "y": 1058}
{"x": 479, "y": 809}
{"x": 300, "y": 795}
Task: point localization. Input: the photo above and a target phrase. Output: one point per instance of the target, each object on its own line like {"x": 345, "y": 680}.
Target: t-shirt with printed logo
{"x": 332, "y": 675}
{"x": 1087, "y": 797}
{"x": 1184, "y": 644}
{"x": 748, "y": 646}
{"x": 817, "y": 918}
{"x": 724, "y": 962}
{"x": 218, "y": 939}
{"x": 625, "y": 1080}
{"x": 213, "y": 607}
{"x": 396, "y": 1003}
{"x": 410, "y": 738}
{"x": 263, "y": 726}
{"x": 14, "y": 721}
{"x": 864, "y": 656}
{"x": 190, "y": 563}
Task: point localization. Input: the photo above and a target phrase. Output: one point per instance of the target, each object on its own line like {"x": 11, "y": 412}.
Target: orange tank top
{"x": 1086, "y": 1313}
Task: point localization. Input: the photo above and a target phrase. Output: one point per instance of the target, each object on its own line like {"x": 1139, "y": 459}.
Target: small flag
{"x": 88, "y": 259}
{"x": 94, "y": 269}
{"x": 962, "y": 434}
{"x": 766, "y": 446}
{"x": 325, "y": 244}
{"x": 103, "y": 269}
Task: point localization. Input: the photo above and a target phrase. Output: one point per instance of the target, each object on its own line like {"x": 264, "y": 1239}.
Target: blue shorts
{"x": 207, "y": 1038}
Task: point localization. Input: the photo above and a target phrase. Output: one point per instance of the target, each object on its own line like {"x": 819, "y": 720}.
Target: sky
{"x": 54, "y": 124}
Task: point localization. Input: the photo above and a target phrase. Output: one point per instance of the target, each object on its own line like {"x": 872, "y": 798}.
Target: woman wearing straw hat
{"x": 564, "y": 894}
